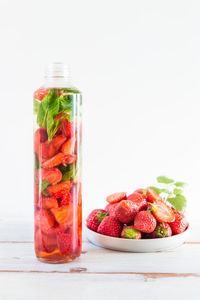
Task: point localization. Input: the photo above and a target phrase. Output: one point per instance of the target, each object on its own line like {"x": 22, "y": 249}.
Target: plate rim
{"x": 139, "y": 240}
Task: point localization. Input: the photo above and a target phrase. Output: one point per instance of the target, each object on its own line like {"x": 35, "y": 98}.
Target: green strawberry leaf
{"x": 180, "y": 184}
{"x": 101, "y": 215}
{"x": 178, "y": 202}
{"x": 164, "y": 179}
{"x": 144, "y": 191}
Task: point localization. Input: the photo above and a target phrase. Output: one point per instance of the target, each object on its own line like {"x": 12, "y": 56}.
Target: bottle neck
{"x": 57, "y": 75}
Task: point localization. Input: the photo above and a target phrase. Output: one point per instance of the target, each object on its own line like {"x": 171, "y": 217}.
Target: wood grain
{"x": 98, "y": 273}
{"x": 20, "y": 286}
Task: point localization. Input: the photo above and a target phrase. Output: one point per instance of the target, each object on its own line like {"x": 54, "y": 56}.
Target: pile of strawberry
{"x": 143, "y": 214}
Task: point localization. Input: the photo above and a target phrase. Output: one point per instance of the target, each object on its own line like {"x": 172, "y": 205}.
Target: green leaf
{"x": 36, "y": 105}
{"x": 70, "y": 90}
{"x": 44, "y": 185}
{"x": 163, "y": 179}
{"x": 180, "y": 184}
{"x": 68, "y": 172}
{"x": 178, "y": 191}
{"x": 178, "y": 202}
{"x": 36, "y": 163}
{"x": 154, "y": 188}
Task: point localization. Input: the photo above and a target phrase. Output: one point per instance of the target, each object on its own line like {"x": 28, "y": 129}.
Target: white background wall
{"x": 138, "y": 66}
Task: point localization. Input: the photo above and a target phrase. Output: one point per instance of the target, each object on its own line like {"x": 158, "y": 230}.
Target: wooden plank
{"x": 17, "y": 230}
{"x": 96, "y": 286}
{"x": 183, "y": 260}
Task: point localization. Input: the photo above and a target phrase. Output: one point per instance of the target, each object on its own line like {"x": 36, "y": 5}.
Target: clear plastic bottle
{"x": 57, "y": 168}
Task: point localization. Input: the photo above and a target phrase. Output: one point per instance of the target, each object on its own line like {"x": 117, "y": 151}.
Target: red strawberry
{"x": 65, "y": 199}
{"x": 140, "y": 191}
{"x": 44, "y": 220}
{"x": 49, "y": 202}
{"x": 69, "y": 159}
{"x": 59, "y": 116}
{"x": 110, "y": 226}
{"x": 139, "y": 200}
{"x": 39, "y": 241}
{"x": 36, "y": 194}
{"x": 68, "y": 128}
{"x": 46, "y": 150}
{"x": 162, "y": 212}
{"x": 54, "y": 161}
{"x": 95, "y": 218}
{"x": 58, "y": 141}
{"x": 129, "y": 232}
{"x": 61, "y": 214}
{"x": 64, "y": 242}
{"x": 152, "y": 196}
{"x": 40, "y": 136}
{"x": 49, "y": 242}
{"x": 68, "y": 147}
{"x": 116, "y": 197}
{"x": 126, "y": 211}
{"x": 52, "y": 175}
{"x": 162, "y": 230}
{"x": 180, "y": 223}
{"x": 110, "y": 208}
{"x": 59, "y": 189}
{"x": 40, "y": 93}
{"x": 145, "y": 222}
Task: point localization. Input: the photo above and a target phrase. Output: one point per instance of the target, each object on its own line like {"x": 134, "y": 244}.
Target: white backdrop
{"x": 138, "y": 66}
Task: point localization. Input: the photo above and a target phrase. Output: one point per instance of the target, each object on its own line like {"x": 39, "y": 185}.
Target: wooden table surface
{"x": 98, "y": 273}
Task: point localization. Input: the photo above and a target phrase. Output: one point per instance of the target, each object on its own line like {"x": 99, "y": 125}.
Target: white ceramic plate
{"x": 143, "y": 245}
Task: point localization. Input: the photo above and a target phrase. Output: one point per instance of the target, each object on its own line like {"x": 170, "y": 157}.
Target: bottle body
{"x": 57, "y": 173}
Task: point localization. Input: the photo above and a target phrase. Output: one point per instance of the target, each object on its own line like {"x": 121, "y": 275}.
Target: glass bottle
{"x": 57, "y": 167}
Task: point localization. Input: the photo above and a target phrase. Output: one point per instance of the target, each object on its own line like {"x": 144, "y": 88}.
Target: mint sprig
{"x": 51, "y": 106}
{"x": 171, "y": 192}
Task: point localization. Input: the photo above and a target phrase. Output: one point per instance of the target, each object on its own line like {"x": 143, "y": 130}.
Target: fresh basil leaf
{"x": 178, "y": 202}
{"x": 164, "y": 179}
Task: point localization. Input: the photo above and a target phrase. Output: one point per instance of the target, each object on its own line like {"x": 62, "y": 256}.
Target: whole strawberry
{"x": 95, "y": 218}
{"x": 145, "y": 222}
{"x": 139, "y": 200}
{"x": 162, "y": 230}
{"x": 141, "y": 192}
{"x": 126, "y": 211}
{"x": 110, "y": 208}
{"x": 180, "y": 223}
{"x": 110, "y": 226}
{"x": 129, "y": 232}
